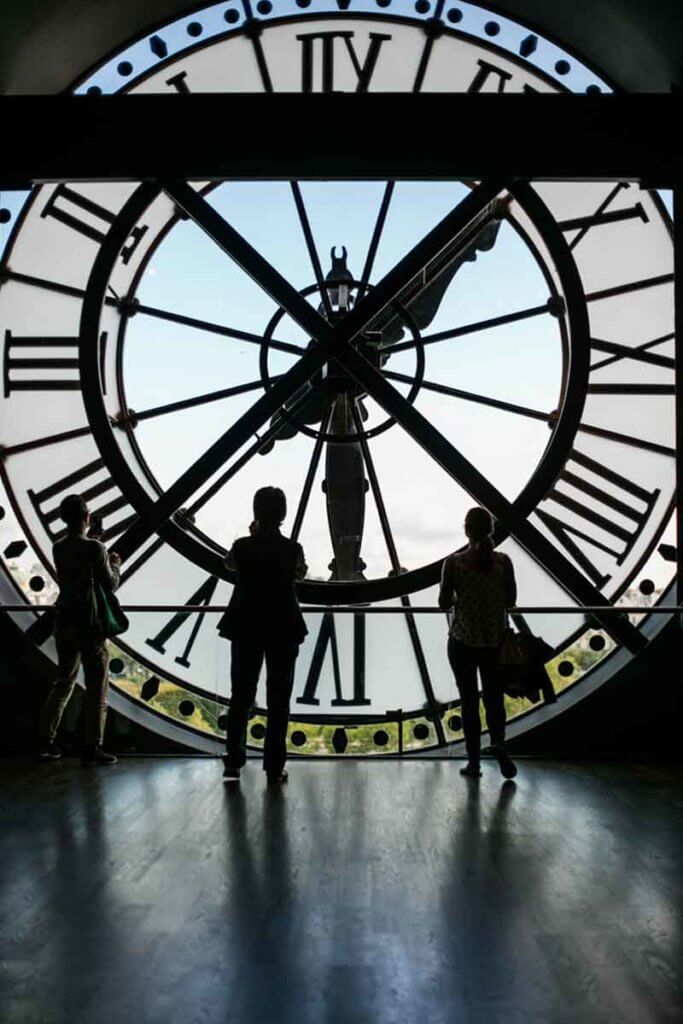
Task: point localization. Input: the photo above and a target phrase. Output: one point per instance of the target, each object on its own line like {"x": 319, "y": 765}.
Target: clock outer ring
{"x": 550, "y": 465}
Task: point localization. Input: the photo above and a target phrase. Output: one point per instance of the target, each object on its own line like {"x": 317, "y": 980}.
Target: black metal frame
{"x": 551, "y": 137}
{"x": 560, "y": 442}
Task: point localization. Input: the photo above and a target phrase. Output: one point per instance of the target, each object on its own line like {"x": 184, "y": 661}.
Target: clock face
{"x": 389, "y": 353}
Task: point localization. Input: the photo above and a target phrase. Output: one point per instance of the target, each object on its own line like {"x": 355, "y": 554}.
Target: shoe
{"x": 231, "y": 774}
{"x": 48, "y": 751}
{"x": 471, "y": 770}
{"x": 97, "y": 756}
{"x": 508, "y": 768}
{"x": 275, "y": 777}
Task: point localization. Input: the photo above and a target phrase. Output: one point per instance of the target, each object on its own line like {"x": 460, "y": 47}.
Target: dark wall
{"x": 636, "y": 716}
{"x": 46, "y": 44}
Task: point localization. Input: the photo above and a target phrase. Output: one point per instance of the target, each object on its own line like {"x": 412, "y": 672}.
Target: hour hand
{"x": 423, "y": 295}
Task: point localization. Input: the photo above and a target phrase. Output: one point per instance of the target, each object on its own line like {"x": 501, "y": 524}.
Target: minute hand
{"x": 454, "y": 233}
{"x": 484, "y": 493}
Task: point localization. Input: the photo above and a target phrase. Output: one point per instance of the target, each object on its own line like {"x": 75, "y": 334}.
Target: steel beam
{"x": 295, "y": 136}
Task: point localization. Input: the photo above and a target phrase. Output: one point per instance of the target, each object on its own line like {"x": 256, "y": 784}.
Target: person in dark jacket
{"x": 478, "y": 586}
{"x": 263, "y": 621}
{"x": 80, "y": 563}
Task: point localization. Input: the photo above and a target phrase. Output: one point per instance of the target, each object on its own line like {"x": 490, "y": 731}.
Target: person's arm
{"x": 510, "y": 583}
{"x": 447, "y": 588}
{"x": 106, "y": 571}
{"x": 229, "y": 561}
{"x": 301, "y": 567}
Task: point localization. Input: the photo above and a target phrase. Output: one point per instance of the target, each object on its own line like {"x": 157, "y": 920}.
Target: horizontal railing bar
{"x": 210, "y": 609}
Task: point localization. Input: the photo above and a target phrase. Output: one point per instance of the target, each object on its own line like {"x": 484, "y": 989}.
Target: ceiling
{"x": 46, "y": 44}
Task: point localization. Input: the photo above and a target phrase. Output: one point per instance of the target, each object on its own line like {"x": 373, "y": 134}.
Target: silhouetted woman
{"x": 263, "y": 620}
{"x": 478, "y": 584}
{"x": 81, "y": 563}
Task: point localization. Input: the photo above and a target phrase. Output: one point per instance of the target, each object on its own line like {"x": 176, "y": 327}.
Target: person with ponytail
{"x": 477, "y": 587}
{"x": 264, "y": 623}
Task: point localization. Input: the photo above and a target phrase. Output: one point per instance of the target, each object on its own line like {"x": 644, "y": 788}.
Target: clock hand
{"x": 460, "y": 224}
{"x": 484, "y": 493}
{"x": 423, "y": 296}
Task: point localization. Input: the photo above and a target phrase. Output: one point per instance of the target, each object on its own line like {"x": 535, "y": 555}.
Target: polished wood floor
{"x": 152, "y": 893}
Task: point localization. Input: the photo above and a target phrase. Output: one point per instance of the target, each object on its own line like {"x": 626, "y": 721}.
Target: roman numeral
{"x": 327, "y": 47}
{"x": 603, "y": 215}
{"x": 49, "y": 371}
{"x": 641, "y": 353}
{"x": 202, "y": 596}
{"x": 101, "y": 493}
{"x": 68, "y": 206}
{"x": 485, "y": 71}
{"x": 327, "y": 637}
{"x": 611, "y": 538}
{"x": 179, "y": 82}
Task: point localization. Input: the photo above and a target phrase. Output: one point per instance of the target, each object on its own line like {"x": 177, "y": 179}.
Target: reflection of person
{"x": 478, "y": 583}
{"x": 263, "y": 620}
{"x": 81, "y": 561}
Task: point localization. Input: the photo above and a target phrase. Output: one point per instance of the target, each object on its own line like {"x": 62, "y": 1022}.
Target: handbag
{"x": 521, "y": 664}
{"x": 111, "y": 621}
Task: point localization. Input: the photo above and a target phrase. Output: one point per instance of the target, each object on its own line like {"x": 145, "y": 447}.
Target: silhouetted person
{"x": 478, "y": 584}
{"x": 263, "y": 620}
{"x": 80, "y": 562}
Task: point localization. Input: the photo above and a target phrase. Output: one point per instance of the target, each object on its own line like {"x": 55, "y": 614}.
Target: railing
{"x": 204, "y": 609}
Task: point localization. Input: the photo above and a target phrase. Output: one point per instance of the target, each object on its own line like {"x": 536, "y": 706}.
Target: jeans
{"x": 72, "y": 649}
{"x": 247, "y": 659}
{"x": 465, "y": 661}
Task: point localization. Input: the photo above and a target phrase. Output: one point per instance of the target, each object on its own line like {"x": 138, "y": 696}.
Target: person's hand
{"x": 115, "y": 558}
{"x": 253, "y": 527}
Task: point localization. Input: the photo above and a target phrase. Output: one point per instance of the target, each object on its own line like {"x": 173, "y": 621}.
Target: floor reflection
{"x": 369, "y": 892}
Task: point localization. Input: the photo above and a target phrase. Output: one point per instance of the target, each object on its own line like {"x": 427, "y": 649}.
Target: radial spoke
{"x": 310, "y": 245}
{"x": 190, "y": 403}
{"x": 312, "y": 470}
{"x": 484, "y": 493}
{"x": 470, "y": 396}
{"x": 272, "y": 434}
{"x": 474, "y": 328}
{"x": 396, "y": 566}
{"x": 205, "y": 325}
{"x": 258, "y": 268}
{"x": 534, "y": 414}
{"x": 156, "y": 513}
{"x": 375, "y": 240}
{"x": 43, "y": 442}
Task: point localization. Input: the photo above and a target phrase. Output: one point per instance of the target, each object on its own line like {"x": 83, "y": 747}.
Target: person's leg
{"x": 95, "y": 656}
{"x": 69, "y": 659}
{"x": 464, "y": 668}
{"x": 280, "y": 662}
{"x": 494, "y": 705}
{"x": 492, "y": 693}
{"x": 246, "y": 660}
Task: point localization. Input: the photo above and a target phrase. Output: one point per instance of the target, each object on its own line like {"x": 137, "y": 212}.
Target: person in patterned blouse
{"x": 477, "y": 587}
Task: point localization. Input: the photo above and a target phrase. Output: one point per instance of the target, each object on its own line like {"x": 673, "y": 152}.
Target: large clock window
{"x": 525, "y": 363}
